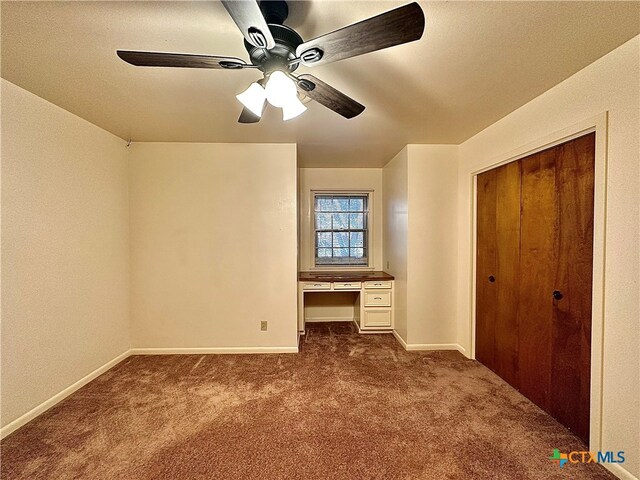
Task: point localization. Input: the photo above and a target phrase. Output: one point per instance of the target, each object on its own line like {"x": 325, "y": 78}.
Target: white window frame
{"x": 370, "y": 229}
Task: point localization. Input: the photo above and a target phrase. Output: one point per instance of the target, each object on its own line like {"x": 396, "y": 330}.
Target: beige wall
{"x": 432, "y": 244}
{"x": 338, "y": 179}
{"x": 65, "y": 250}
{"x": 420, "y": 242}
{"x": 213, "y": 245}
{"x": 396, "y": 225}
{"x": 610, "y": 84}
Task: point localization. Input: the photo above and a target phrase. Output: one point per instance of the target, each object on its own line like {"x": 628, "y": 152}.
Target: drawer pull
{"x": 317, "y": 285}
{"x": 377, "y": 298}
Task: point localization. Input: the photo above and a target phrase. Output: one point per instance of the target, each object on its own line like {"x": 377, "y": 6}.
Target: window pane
{"x": 324, "y": 239}
{"x": 340, "y": 239}
{"x": 357, "y": 239}
{"x": 356, "y": 220}
{"x": 341, "y": 224}
{"x": 340, "y": 221}
{"x": 341, "y": 204}
{"x": 323, "y": 204}
{"x": 356, "y": 204}
{"x": 323, "y": 221}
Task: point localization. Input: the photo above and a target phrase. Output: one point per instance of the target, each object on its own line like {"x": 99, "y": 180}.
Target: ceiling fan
{"x": 277, "y": 51}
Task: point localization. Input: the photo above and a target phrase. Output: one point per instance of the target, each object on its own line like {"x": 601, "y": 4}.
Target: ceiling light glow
{"x": 281, "y": 92}
{"x": 292, "y": 109}
{"x": 253, "y": 98}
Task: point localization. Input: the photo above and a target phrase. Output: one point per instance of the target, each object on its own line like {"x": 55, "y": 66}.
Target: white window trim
{"x": 370, "y": 229}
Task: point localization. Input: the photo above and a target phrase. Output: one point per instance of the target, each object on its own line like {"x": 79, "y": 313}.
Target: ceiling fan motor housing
{"x": 286, "y": 39}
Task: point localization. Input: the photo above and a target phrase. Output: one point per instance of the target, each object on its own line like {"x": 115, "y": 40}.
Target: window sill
{"x": 340, "y": 268}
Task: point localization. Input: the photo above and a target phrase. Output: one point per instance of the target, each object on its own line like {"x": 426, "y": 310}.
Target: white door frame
{"x": 599, "y": 125}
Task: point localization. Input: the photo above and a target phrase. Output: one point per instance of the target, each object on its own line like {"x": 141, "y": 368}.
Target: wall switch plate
{"x": 263, "y": 325}
{"x": 387, "y": 264}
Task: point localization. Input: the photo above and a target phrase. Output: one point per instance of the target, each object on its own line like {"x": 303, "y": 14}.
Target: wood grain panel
{"x": 331, "y": 98}
{"x": 508, "y": 271}
{"x": 248, "y": 18}
{"x": 401, "y": 25}
{"x": 571, "y": 333}
{"x": 538, "y": 261}
{"x": 535, "y": 230}
{"x": 178, "y": 60}
{"x": 486, "y": 291}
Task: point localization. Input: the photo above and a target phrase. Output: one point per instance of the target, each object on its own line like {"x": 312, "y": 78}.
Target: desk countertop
{"x": 348, "y": 276}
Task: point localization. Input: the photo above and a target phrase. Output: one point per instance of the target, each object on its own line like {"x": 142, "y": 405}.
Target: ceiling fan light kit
{"x": 253, "y": 98}
{"x": 280, "y": 91}
{"x": 277, "y": 51}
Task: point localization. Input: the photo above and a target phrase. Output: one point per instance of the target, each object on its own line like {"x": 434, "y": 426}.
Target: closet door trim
{"x": 599, "y": 125}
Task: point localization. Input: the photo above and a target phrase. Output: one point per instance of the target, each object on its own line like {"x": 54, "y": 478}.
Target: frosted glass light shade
{"x": 253, "y": 98}
{"x": 292, "y": 108}
{"x": 282, "y": 92}
{"x": 280, "y": 89}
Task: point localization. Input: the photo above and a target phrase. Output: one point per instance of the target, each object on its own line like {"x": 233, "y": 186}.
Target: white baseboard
{"x": 400, "y": 340}
{"x": 211, "y": 350}
{"x": 619, "y": 471}
{"x": 47, "y": 404}
{"x": 428, "y": 346}
{"x": 57, "y": 398}
{"x": 462, "y": 350}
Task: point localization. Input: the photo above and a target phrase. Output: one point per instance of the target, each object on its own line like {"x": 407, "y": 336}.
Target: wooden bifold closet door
{"x": 534, "y": 277}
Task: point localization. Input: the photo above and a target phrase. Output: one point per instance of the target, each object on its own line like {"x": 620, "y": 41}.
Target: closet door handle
{"x": 557, "y": 295}
{"x": 492, "y": 278}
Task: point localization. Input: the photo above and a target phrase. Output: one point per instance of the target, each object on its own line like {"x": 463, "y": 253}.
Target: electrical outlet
{"x": 263, "y": 325}
{"x": 387, "y": 264}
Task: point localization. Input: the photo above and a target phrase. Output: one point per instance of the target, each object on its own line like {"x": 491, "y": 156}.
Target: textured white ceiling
{"x": 476, "y": 62}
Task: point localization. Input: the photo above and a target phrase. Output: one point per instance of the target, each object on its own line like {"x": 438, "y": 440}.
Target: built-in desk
{"x": 373, "y": 310}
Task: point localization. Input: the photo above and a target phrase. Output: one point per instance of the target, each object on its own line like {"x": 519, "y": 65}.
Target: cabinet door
{"x": 486, "y": 289}
{"x": 377, "y": 318}
{"x": 534, "y": 277}
{"x": 538, "y": 260}
{"x": 497, "y": 270}
{"x": 556, "y": 284}
{"x": 571, "y": 332}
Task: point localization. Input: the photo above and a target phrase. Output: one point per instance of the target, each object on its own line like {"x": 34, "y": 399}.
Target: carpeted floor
{"x": 347, "y": 407}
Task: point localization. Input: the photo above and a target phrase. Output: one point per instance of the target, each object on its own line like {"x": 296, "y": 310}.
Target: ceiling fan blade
{"x": 328, "y": 96}
{"x": 401, "y": 25}
{"x": 247, "y": 116}
{"x": 182, "y": 60}
{"x": 251, "y": 22}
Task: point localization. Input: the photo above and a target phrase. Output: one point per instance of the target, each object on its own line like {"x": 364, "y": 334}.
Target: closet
{"x": 534, "y": 277}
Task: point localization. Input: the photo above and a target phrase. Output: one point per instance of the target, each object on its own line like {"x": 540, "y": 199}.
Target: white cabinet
{"x": 347, "y": 285}
{"x": 374, "y": 302}
{"x": 378, "y": 284}
{"x": 316, "y": 285}
{"x": 377, "y": 299}
{"x": 378, "y": 318}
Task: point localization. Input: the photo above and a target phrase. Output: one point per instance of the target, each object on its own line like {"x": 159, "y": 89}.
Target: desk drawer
{"x": 347, "y": 285}
{"x": 378, "y": 284}
{"x": 377, "y": 299}
{"x": 377, "y": 318}
{"x": 316, "y": 286}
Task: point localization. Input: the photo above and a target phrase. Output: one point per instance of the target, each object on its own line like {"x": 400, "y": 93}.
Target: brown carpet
{"x": 348, "y": 406}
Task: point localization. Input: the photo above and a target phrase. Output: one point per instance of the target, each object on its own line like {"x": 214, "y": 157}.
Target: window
{"x": 341, "y": 229}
